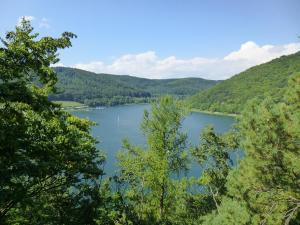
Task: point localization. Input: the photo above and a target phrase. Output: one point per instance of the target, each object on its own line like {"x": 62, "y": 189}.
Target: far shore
{"x": 72, "y": 105}
{"x": 214, "y": 113}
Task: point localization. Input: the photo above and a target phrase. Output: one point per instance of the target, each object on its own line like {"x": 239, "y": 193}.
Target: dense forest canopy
{"x": 106, "y": 89}
{"x": 230, "y": 96}
{"x": 52, "y": 173}
{"x": 48, "y": 160}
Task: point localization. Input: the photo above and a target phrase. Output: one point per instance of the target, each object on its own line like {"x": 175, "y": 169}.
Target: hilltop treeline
{"x": 231, "y": 96}
{"x": 105, "y": 89}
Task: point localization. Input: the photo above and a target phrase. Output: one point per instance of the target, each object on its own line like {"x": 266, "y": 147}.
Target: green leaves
{"x": 268, "y": 178}
{"x": 22, "y": 55}
{"x": 47, "y": 156}
{"x": 213, "y": 154}
{"x": 231, "y": 212}
{"x": 50, "y": 169}
{"x": 149, "y": 172}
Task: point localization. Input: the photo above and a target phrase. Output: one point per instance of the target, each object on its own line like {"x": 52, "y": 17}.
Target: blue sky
{"x": 135, "y": 36}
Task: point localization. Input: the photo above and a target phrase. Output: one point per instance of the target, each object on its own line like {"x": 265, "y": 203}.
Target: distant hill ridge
{"x": 268, "y": 79}
{"x": 107, "y": 89}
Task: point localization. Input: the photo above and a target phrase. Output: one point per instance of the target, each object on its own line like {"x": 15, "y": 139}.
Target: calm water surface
{"x": 117, "y": 123}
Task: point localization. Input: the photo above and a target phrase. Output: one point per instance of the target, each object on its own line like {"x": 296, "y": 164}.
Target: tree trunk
{"x": 162, "y": 199}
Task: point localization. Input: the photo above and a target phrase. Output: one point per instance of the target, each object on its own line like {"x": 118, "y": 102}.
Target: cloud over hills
{"x": 150, "y": 65}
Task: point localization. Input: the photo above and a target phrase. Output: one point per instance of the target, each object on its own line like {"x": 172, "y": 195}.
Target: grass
{"x": 70, "y": 104}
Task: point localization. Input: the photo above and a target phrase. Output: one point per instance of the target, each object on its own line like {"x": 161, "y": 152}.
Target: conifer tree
{"x": 265, "y": 186}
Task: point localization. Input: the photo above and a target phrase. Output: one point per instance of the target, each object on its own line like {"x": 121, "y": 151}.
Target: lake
{"x": 119, "y": 122}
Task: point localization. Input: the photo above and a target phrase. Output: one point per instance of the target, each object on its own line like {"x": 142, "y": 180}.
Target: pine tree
{"x": 267, "y": 181}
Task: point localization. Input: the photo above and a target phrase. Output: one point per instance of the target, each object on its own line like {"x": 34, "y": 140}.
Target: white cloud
{"x": 44, "y": 23}
{"x": 57, "y": 65}
{"x": 28, "y": 18}
{"x": 149, "y": 65}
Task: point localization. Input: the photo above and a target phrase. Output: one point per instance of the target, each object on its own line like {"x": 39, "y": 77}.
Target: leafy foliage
{"x": 214, "y": 155}
{"x": 50, "y": 170}
{"x": 230, "y": 212}
{"x": 266, "y": 182}
{"x": 149, "y": 171}
{"x": 47, "y": 156}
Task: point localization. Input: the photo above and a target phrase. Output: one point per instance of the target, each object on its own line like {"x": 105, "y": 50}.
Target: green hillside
{"x": 230, "y": 96}
{"x": 182, "y": 86}
{"x": 106, "y": 89}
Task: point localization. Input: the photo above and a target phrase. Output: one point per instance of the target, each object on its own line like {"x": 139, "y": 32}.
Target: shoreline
{"x": 75, "y": 107}
{"x": 214, "y": 113}
{"x": 81, "y": 106}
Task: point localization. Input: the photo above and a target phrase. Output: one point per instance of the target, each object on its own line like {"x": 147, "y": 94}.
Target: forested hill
{"x": 268, "y": 79}
{"x": 106, "y": 89}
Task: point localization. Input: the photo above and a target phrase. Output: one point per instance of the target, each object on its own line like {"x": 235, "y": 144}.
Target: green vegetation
{"x": 265, "y": 185}
{"x": 231, "y": 96}
{"x": 49, "y": 166}
{"x": 149, "y": 171}
{"x": 69, "y": 104}
{"x": 51, "y": 172}
{"x": 105, "y": 89}
{"x": 263, "y": 188}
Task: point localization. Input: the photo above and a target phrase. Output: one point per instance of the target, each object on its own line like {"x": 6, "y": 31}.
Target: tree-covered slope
{"x": 181, "y": 86}
{"x": 106, "y": 89}
{"x": 268, "y": 79}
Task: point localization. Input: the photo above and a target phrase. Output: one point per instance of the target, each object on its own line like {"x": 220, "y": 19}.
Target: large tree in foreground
{"x": 47, "y": 156}
{"x": 150, "y": 172}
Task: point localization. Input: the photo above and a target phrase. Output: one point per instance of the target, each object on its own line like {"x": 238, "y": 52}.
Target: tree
{"x": 265, "y": 185}
{"x": 213, "y": 154}
{"x": 150, "y": 172}
{"x": 46, "y": 155}
{"x": 231, "y": 212}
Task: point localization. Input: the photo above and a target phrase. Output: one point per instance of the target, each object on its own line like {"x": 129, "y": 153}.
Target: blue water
{"x": 119, "y": 122}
